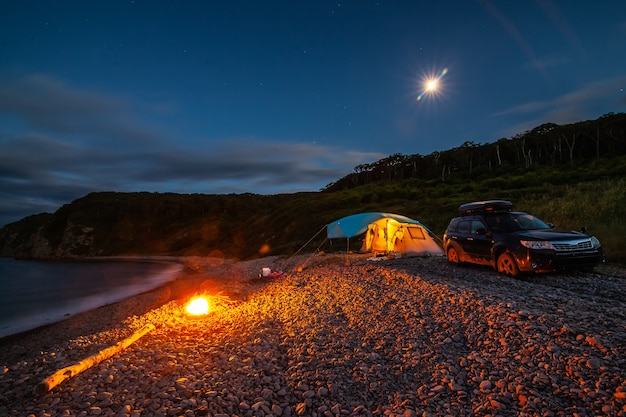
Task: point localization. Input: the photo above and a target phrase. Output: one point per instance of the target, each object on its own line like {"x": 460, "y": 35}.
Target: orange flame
{"x": 198, "y": 306}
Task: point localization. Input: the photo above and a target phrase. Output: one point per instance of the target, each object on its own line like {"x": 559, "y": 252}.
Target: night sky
{"x": 281, "y": 96}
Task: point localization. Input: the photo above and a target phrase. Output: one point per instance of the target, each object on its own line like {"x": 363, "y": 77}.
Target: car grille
{"x": 571, "y": 246}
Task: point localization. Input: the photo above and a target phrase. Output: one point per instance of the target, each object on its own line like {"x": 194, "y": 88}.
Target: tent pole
{"x": 311, "y": 256}
{"x": 298, "y": 251}
{"x": 387, "y": 237}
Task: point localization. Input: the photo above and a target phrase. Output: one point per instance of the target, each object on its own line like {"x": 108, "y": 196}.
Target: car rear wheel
{"x": 453, "y": 255}
{"x": 507, "y": 265}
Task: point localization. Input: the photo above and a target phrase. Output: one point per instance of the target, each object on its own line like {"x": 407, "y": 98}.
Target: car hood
{"x": 550, "y": 234}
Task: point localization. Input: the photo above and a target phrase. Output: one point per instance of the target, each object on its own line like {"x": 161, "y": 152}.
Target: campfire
{"x": 197, "y": 306}
{"x": 200, "y": 306}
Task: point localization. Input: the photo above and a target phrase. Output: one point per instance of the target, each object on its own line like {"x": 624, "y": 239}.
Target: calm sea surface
{"x": 34, "y": 293}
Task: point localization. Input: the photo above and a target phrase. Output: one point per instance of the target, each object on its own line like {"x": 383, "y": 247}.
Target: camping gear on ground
{"x": 269, "y": 274}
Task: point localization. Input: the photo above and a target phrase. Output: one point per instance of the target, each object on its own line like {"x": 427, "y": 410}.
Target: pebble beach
{"x": 338, "y": 335}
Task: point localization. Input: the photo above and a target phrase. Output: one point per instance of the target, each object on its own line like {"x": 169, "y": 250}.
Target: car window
{"x": 501, "y": 223}
{"x": 476, "y": 226}
{"x": 464, "y": 226}
{"x": 514, "y": 222}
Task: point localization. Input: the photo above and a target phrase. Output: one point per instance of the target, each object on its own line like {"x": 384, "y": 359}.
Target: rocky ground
{"x": 346, "y": 336}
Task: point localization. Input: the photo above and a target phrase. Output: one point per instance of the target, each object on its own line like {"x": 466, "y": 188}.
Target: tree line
{"x": 547, "y": 145}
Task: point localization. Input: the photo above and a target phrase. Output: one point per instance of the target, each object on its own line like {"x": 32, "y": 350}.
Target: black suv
{"x": 489, "y": 233}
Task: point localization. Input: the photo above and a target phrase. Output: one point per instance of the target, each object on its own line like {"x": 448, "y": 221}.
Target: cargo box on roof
{"x": 485, "y": 207}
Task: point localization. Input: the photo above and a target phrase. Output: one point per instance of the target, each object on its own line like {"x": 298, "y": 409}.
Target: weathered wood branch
{"x": 73, "y": 370}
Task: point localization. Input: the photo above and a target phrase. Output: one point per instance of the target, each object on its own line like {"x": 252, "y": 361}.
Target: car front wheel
{"x": 507, "y": 265}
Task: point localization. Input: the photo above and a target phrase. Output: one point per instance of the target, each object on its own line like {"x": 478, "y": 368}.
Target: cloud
{"x": 74, "y": 142}
{"x": 577, "y": 105}
{"x": 47, "y": 104}
{"x": 516, "y": 35}
{"x": 559, "y": 21}
{"x": 553, "y": 61}
{"x": 66, "y": 171}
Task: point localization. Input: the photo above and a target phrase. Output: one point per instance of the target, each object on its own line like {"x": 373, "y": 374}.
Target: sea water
{"x": 35, "y": 293}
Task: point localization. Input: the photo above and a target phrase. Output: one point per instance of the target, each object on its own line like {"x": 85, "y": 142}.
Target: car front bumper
{"x": 550, "y": 260}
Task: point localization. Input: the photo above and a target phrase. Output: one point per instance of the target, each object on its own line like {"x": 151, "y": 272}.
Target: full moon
{"x": 431, "y": 85}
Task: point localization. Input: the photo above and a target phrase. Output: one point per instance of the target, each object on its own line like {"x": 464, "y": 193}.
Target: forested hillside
{"x": 572, "y": 176}
{"x": 548, "y": 145}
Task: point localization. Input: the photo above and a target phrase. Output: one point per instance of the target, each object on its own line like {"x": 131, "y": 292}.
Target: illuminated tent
{"x": 386, "y": 233}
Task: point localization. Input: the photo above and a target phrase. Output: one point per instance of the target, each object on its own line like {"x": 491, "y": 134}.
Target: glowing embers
{"x": 197, "y": 306}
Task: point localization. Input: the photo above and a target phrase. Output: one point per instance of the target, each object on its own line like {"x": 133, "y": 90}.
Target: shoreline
{"x": 197, "y": 275}
{"x": 62, "y": 290}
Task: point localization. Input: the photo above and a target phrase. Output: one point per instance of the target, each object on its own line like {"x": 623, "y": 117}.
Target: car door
{"x": 464, "y": 237}
{"x": 473, "y": 239}
{"x": 481, "y": 240}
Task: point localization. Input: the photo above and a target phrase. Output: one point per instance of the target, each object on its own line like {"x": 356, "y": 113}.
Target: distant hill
{"x": 571, "y": 175}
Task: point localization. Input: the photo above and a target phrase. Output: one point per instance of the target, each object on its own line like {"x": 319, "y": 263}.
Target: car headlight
{"x": 595, "y": 242}
{"x": 537, "y": 244}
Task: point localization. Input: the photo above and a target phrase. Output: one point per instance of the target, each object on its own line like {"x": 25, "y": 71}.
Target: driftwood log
{"x": 73, "y": 370}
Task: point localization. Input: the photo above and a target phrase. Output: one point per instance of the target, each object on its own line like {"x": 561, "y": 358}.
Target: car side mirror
{"x": 583, "y": 229}
{"x": 481, "y": 231}
{"x": 551, "y": 225}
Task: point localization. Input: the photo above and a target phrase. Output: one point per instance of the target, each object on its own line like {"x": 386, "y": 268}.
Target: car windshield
{"x": 514, "y": 222}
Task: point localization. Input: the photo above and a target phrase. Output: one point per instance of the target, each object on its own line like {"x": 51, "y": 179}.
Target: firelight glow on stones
{"x": 431, "y": 84}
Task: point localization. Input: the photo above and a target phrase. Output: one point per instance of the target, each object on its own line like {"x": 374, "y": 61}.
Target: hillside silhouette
{"x": 571, "y": 175}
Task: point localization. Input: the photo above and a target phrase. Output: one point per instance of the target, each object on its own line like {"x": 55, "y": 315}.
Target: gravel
{"x": 345, "y": 336}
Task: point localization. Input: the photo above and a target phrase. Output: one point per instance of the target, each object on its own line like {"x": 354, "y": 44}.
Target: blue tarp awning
{"x": 355, "y": 224}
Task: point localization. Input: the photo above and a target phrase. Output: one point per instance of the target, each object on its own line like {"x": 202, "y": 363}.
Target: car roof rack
{"x": 485, "y": 207}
